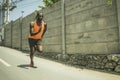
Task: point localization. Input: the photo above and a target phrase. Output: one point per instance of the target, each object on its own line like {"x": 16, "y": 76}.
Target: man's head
{"x": 39, "y": 15}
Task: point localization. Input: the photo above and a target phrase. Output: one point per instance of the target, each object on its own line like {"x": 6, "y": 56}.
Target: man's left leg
{"x": 39, "y": 46}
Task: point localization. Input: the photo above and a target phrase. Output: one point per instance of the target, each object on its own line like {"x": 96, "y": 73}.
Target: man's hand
{"x": 32, "y": 23}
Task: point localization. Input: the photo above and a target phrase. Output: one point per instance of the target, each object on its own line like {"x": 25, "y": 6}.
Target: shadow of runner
{"x": 26, "y": 66}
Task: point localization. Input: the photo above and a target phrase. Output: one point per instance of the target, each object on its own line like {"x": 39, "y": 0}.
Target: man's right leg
{"x": 32, "y": 50}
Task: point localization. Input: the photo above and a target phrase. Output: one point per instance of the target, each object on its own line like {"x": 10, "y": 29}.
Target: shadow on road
{"x": 26, "y": 66}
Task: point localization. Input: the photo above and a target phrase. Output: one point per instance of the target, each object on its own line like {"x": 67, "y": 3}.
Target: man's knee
{"x": 40, "y": 51}
{"x": 39, "y": 48}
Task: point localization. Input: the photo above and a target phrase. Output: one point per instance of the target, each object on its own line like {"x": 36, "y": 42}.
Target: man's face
{"x": 40, "y": 17}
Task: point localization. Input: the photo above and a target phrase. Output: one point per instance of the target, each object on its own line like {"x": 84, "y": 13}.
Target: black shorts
{"x": 34, "y": 42}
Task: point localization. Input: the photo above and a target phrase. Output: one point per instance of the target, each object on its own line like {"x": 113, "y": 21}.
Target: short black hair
{"x": 39, "y": 14}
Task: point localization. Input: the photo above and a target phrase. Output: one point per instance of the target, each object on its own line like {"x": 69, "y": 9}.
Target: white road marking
{"x": 5, "y": 63}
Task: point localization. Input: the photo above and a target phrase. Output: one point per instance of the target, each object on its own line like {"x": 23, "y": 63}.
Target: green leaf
{"x": 109, "y": 2}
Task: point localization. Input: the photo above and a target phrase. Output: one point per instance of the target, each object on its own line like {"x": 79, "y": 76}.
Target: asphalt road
{"x": 14, "y": 65}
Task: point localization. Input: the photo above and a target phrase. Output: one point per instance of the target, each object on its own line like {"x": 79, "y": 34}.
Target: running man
{"x": 37, "y": 30}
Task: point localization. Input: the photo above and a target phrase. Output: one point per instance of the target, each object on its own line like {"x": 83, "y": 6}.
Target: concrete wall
{"x": 52, "y": 40}
{"x": 118, "y": 17}
{"x": 16, "y": 34}
{"x": 91, "y": 28}
{"x": 8, "y": 35}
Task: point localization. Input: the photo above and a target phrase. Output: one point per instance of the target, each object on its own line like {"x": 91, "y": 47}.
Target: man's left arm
{"x": 45, "y": 29}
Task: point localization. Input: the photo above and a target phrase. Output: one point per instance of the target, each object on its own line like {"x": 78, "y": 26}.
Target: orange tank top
{"x": 35, "y": 29}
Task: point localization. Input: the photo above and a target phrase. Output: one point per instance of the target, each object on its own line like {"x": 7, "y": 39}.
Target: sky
{"x": 28, "y": 6}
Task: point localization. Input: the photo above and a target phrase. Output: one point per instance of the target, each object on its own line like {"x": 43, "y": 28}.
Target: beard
{"x": 39, "y": 21}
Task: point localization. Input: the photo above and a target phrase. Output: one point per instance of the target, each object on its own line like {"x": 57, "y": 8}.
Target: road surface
{"x": 14, "y": 65}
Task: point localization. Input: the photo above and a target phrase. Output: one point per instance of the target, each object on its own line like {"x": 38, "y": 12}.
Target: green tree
{"x": 109, "y": 2}
{"x": 49, "y": 2}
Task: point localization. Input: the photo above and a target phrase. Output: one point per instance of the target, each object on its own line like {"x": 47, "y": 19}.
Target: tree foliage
{"x": 109, "y": 2}
{"x": 49, "y": 2}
